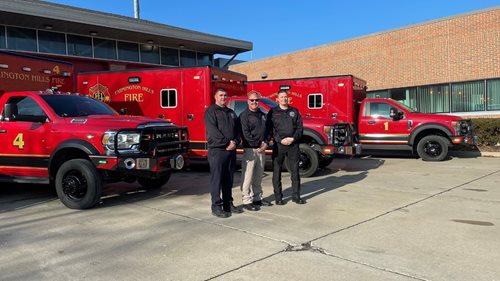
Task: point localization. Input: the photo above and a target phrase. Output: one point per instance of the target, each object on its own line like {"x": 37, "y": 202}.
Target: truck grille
{"x": 164, "y": 141}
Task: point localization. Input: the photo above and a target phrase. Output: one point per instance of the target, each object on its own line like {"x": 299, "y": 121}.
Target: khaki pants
{"x": 252, "y": 170}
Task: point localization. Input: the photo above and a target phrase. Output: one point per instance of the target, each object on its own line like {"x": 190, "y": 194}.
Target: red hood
{"x": 433, "y": 117}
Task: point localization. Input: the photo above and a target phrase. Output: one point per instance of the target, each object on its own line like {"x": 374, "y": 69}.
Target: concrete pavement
{"x": 365, "y": 219}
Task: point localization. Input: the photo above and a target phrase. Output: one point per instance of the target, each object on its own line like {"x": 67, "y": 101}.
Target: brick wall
{"x": 460, "y": 48}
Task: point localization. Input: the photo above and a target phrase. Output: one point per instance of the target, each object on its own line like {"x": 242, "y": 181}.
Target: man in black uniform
{"x": 286, "y": 125}
{"x": 253, "y": 133}
{"x": 223, "y": 135}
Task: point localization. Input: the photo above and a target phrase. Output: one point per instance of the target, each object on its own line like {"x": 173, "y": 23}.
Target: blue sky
{"x": 281, "y": 26}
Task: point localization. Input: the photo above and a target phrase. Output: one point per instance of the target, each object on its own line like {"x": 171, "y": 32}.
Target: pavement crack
{"x": 304, "y": 247}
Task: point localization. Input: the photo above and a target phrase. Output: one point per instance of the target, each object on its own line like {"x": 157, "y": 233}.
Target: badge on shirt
{"x": 291, "y": 113}
{"x": 233, "y": 115}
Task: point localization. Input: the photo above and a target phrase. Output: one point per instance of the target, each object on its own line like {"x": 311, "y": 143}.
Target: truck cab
{"x": 385, "y": 123}
{"x": 321, "y": 141}
{"x": 77, "y": 143}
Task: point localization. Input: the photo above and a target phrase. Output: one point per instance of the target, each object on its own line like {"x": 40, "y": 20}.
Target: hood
{"x": 434, "y": 117}
{"x": 112, "y": 122}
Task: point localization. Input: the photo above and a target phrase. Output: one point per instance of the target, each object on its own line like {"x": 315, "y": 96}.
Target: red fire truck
{"x": 181, "y": 95}
{"x": 380, "y": 123}
{"x": 27, "y": 73}
{"x": 77, "y": 143}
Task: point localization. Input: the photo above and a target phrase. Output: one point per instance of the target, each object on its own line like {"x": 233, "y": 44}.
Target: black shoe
{"x": 262, "y": 202}
{"x": 235, "y": 209}
{"x": 250, "y": 207}
{"x": 299, "y": 200}
{"x": 280, "y": 202}
{"x": 220, "y": 213}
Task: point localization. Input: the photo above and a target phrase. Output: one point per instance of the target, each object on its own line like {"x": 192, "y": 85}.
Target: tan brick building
{"x": 442, "y": 52}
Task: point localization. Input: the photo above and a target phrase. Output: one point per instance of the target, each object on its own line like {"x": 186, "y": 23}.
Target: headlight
{"x": 328, "y": 133}
{"x": 124, "y": 141}
{"x": 128, "y": 140}
{"x": 461, "y": 127}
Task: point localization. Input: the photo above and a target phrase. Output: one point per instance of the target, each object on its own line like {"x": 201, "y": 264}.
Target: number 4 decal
{"x": 19, "y": 141}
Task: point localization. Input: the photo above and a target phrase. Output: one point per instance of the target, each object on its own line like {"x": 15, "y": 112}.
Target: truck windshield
{"x": 73, "y": 106}
{"x": 269, "y": 103}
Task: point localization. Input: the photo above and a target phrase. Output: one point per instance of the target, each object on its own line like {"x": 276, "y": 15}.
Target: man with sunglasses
{"x": 253, "y": 129}
{"x": 286, "y": 126}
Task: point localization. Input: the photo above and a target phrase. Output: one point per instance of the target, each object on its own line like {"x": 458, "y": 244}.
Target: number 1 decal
{"x": 386, "y": 126}
{"x": 19, "y": 141}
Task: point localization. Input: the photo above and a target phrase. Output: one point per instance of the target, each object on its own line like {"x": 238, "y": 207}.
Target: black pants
{"x": 292, "y": 152}
{"x": 222, "y": 165}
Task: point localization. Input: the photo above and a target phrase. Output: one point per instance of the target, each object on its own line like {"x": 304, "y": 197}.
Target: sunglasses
{"x": 254, "y": 100}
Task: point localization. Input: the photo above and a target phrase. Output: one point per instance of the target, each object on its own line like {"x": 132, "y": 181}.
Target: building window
{"x": 493, "y": 94}
{"x": 377, "y": 109}
{"x": 51, "y": 42}
{"x": 168, "y": 98}
{"x": 188, "y": 58}
{"x": 79, "y": 46}
{"x": 104, "y": 49}
{"x": 434, "y": 99}
{"x": 128, "y": 51}
{"x": 378, "y": 94}
{"x": 467, "y": 96}
{"x": 2, "y": 37}
{"x": 170, "y": 56}
{"x": 21, "y": 39}
{"x": 406, "y": 96}
{"x": 150, "y": 54}
{"x": 204, "y": 59}
{"x": 315, "y": 101}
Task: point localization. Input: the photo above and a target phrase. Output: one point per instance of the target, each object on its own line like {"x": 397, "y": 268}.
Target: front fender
{"x": 429, "y": 126}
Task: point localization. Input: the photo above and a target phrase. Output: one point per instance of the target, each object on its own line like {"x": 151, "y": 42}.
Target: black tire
{"x": 154, "y": 183}
{"x": 433, "y": 148}
{"x": 325, "y": 162}
{"x": 308, "y": 161}
{"x": 78, "y": 184}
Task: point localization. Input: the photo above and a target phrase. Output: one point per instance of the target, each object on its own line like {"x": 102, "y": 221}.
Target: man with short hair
{"x": 223, "y": 135}
{"x": 286, "y": 125}
{"x": 253, "y": 133}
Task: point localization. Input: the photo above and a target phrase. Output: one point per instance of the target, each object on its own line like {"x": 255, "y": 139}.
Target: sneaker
{"x": 262, "y": 202}
{"x": 220, "y": 213}
{"x": 299, "y": 200}
{"x": 235, "y": 209}
{"x": 280, "y": 202}
{"x": 250, "y": 207}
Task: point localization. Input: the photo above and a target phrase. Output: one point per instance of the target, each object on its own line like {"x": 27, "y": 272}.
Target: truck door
{"x": 23, "y": 139}
{"x": 377, "y": 127}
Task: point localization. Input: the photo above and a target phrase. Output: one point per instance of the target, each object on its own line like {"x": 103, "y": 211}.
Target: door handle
{"x": 190, "y": 117}
{"x": 371, "y": 122}
{"x": 3, "y": 131}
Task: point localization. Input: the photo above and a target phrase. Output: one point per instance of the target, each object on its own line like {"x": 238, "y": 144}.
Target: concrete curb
{"x": 470, "y": 154}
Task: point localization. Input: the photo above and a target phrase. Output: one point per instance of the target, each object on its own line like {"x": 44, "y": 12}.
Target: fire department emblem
{"x": 100, "y": 92}
{"x": 291, "y": 113}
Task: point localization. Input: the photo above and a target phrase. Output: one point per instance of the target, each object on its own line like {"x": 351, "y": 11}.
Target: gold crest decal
{"x": 100, "y": 92}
